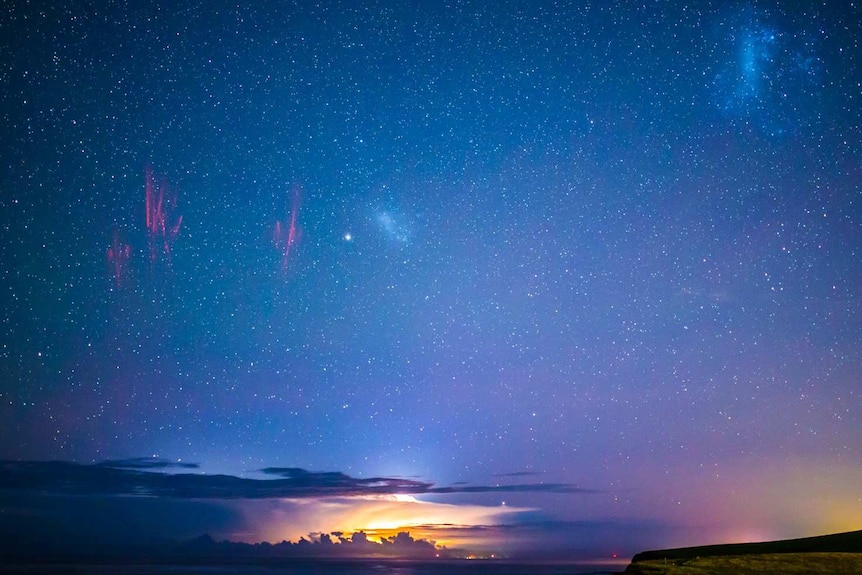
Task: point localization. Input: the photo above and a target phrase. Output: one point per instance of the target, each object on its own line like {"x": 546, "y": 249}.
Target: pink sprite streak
{"x": 118, "y": 255}
{"x": 283, "y": 239}
{"x": 162, "y": 228}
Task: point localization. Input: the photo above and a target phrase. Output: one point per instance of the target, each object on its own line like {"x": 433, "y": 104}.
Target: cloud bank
{"x": 149, "y": 478}
{"x": 303, "y": 513}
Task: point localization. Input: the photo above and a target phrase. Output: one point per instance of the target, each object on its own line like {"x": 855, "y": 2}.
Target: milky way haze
{"x": 555, "y": 278}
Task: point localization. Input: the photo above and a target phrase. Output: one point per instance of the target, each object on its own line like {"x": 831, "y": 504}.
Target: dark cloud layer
{"x": 146, "y": 463}
{"x": 148, "y": 478}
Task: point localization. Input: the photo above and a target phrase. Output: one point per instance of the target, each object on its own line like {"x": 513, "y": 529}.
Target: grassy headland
{"x": 829, "y": 554}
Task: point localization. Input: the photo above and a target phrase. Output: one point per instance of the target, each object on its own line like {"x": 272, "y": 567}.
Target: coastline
{"x": 834, "y": 554}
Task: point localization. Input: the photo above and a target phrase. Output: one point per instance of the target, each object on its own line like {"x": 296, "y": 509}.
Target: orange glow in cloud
{"x": 377, "y": 516}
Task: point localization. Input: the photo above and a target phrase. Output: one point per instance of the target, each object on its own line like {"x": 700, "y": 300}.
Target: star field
{"x": 612, "y": 245}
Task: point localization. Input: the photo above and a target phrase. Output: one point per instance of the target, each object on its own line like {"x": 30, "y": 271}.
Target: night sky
{"x": 540, "y": 278}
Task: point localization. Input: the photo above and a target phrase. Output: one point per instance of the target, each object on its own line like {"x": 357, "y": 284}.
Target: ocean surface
{"x": 321, "y": 568}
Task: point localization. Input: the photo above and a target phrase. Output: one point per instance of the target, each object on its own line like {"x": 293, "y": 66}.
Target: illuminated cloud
{"x": 296, "y": 505}
{"x": 378, "y": 517}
